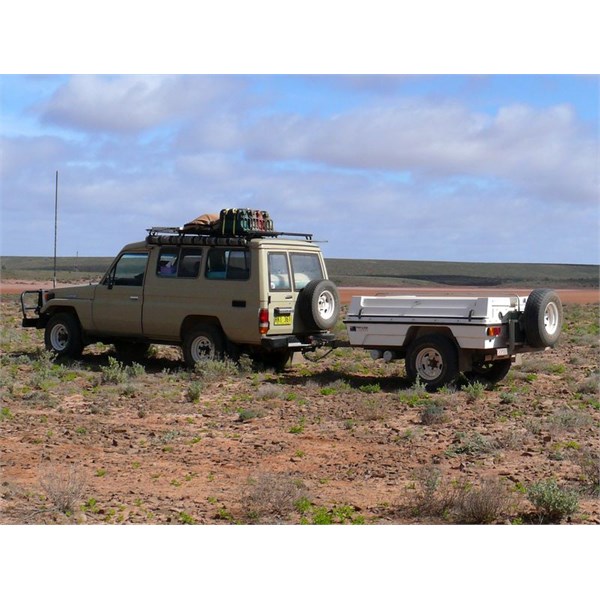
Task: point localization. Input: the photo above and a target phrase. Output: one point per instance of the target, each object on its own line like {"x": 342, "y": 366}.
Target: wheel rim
{"x": 59, "y": 337}
{"x": 202, "y": 347}
{"x": 429, "y": 364}
{"x": 326, "y": 304}
{"x": 551, "y": 318}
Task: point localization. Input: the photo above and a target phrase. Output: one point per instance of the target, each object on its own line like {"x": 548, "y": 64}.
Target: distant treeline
{"x": 351, "y": 272}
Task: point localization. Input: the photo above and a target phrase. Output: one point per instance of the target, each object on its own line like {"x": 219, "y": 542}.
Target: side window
{"x": 279, "y": 274}
{"x": 167, "y": 262}
{"x": 224, "y": 263}
{"x": 130, "y": 269}
{"x": 184, "y": 262}
{"x": 189, "y": 262}
{"x": 305, "y": 267}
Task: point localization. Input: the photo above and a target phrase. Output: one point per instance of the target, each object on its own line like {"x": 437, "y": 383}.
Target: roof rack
{"x": 179, "y": 235}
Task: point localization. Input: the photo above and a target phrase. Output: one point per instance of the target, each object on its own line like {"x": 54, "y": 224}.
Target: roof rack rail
{"x": 178, "y": 235}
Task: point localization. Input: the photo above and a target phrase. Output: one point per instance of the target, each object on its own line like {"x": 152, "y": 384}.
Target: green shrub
{"x": 553, "y": 503}
{"x": 194, "y": 391}
{"x": 211, "y": 370}
{"x": 474, "y": 390}
{"x": 370, "y": 388}
{"x": 432, "y": 413}
{"x": 117, "y": 372}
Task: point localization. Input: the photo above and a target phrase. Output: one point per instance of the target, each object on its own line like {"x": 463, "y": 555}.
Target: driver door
{"x": 117, "y": 307}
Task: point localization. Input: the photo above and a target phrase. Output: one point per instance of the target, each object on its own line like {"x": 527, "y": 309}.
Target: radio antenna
{"x": 55, "y": 226}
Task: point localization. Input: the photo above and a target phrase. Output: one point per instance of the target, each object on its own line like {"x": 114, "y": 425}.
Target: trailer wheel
{"x": 319, "y": 304}
{"x": 432, "y": 359}
{"x": 543, "y": 318}
{"x": 202, "y": 342}
{"x": 490, "y": 372}
{"x": 63, "y": 335}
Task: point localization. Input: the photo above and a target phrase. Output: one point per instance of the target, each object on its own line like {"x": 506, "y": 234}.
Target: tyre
{"x": 132, "y": 351}
{"x": 202, "y": 342}
{"x": 319, "y": 304}
{"x": 63, "y": 335}
{"x": 543, "y": 318}
{"x": 490, "y": 372}
{"x": 432, "y": 359}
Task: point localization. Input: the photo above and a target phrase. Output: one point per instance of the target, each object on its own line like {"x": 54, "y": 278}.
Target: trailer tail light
{"x": 494, "y": 331}
{"x": 263, "y": 321}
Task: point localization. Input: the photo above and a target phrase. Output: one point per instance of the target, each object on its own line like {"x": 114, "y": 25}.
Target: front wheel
{"x": 432, "y": 359}
{"x": 202, "y": 342}
{"x": 63, "y": 336}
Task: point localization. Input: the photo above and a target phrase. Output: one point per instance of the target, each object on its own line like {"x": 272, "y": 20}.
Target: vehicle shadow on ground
{"x": 328, "y": 377}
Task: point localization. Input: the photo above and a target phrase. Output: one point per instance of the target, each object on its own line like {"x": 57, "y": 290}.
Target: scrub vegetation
{"x": 343, "y": 440}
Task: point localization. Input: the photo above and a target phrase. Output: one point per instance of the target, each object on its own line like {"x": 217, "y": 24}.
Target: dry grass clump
{"x": 64, "y": 488}
{"x": 589, "y": 463}
{"x": 458, "y": 501}
{"x": 483, "y": 504}
{"x": 272, "y": 497}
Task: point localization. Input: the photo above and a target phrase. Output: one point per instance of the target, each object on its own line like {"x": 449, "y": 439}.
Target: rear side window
{"x": 279, "y": 273}
{"x": 305, "y": 268}
{"x": 225, "y": 263}
{"x": 179, "y": 262}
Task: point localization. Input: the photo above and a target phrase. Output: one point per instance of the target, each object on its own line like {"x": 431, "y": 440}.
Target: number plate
{"x": 283, "y": 320}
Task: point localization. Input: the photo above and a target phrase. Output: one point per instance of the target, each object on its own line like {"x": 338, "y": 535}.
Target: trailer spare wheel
{"x": 543, "y": 318}
{"x": 319, "y": 304}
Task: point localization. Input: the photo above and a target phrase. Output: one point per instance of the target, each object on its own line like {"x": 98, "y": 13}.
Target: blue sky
{"x": 453, "y": 167}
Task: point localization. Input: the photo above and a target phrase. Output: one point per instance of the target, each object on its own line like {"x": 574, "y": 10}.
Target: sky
{"x": 492, "y": 168}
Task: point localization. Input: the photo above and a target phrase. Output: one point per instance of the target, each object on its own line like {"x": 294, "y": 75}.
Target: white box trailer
{"x": 441, "y": 336}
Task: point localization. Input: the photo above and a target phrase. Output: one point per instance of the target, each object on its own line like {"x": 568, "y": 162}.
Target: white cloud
{"x": 540, "y": 151}
{"x": 130, "y": 104}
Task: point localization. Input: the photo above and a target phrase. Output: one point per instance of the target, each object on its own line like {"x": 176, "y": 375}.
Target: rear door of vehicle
{"x": 289, "y": 272}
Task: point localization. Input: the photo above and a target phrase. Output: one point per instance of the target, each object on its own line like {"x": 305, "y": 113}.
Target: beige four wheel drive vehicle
{"x": 265, "y": 294}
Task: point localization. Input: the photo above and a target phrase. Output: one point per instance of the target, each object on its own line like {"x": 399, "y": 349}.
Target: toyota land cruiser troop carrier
{"x": 258, "y": 292}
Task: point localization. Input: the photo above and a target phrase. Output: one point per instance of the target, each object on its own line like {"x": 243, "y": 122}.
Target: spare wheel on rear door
{"x": 319, "y": 304}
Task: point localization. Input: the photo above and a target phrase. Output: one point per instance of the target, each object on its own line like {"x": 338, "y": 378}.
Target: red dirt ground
{"x": 169, "y": 446}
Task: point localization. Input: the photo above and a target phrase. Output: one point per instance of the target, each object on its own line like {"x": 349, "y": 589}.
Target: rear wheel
{"x": 63, "y": 335}
{"x": 433, "y": 360}
{"x": 202, "y": 342}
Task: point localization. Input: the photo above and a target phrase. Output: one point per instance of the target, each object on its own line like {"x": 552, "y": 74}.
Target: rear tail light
{"x": 494, "y": 331}
{"x": 263, "y": 321}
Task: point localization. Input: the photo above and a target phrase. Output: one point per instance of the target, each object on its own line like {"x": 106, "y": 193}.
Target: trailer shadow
{"x": 385, "y": 383}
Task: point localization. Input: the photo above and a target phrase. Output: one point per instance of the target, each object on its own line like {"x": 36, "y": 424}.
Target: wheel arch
{"x": 194, "y": 320}
{"x": 418, "y": 331}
